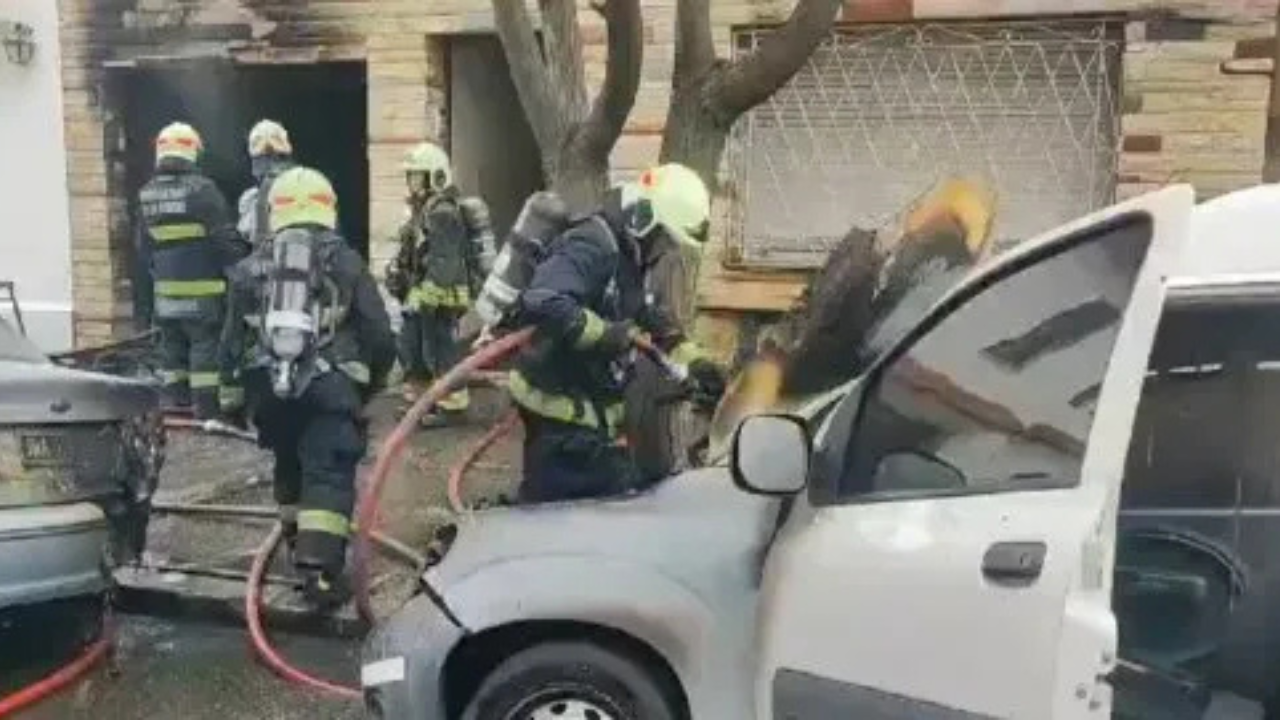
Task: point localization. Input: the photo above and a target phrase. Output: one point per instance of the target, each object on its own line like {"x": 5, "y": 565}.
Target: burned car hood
{"x": 45, "y": 393}
{"x": 700, "y": 510}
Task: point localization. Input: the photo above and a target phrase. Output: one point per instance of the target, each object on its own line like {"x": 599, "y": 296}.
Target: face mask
{"x": 261, "y": 166}
{"x": 641, "y": 220}
{"x": 418, "y": 183}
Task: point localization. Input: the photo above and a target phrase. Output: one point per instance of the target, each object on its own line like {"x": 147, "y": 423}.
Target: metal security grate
{"x": 881, "y": 112}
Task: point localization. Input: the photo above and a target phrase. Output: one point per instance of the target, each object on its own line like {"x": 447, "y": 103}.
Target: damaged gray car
{"x": 80, "y": 456}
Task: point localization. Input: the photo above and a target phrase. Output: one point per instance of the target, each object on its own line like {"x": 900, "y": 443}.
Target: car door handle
{"x": 1014, "y": 564}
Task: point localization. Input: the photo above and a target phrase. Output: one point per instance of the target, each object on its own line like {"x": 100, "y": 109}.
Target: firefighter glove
{"x": 618, "y": 338}
{"x": 708, "y": 382}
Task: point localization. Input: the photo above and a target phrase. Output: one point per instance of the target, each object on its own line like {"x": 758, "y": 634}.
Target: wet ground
{"x": 190, "y": 668}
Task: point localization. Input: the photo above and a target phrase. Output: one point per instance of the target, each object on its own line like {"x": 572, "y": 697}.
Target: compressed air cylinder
{"x": 543, "y": 217}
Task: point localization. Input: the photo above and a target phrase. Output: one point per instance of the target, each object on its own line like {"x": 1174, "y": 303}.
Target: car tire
{"x": 573, "y": 681}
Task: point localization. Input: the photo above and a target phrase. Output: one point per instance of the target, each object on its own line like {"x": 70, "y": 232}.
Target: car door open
{"x": 951, "y": 557}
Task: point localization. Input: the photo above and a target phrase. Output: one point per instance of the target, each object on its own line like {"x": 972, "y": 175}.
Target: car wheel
{"x": 569, "y": 681}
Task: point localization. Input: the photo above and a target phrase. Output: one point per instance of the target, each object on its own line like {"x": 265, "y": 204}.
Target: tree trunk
{"x": 708, "y": 94}
{"x": 574, "y": 136}
{"x": 696, "y": 135}
{"x": 580, "y": 176}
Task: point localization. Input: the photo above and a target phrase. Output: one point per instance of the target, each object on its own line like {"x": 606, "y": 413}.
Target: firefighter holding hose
{"x": 446, "y": 250}
{"x": 322, "y": 346}
{"x": 589, "y": 300}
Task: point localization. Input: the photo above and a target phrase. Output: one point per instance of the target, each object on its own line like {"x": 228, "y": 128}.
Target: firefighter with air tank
{"x": 446, "y": 248}
{"x": 322, "y": 346}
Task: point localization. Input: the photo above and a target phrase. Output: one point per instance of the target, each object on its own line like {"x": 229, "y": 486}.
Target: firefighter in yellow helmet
{"x": 188, "y": 234}
{"x": 270, "y": 155}
{"x": 321, "y": 347}
{"x": 589, "y": 300}
{"x": 446, "y": 251}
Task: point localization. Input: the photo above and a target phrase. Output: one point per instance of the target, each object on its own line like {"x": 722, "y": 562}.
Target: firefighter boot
{"x": 325, "y": 591}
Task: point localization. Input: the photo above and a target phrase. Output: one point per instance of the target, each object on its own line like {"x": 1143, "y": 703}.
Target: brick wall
{"x": 1184, "y": 121}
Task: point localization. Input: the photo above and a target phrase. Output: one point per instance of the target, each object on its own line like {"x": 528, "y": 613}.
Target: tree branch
{"x": 751, "y": 80}
{"x": 563, "y": 43}
{"x": 695, "y": 49}
{"x": 617, "y": 95}
{"x": 529, "y": 72}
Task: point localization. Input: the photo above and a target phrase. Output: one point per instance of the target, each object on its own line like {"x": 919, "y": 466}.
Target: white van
{"x": 941, "y": 547}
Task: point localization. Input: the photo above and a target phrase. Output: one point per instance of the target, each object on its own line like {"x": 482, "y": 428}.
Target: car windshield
{"x": 13, "y": 346}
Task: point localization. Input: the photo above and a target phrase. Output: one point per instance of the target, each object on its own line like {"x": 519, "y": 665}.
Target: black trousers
{"x": 318, "y": 440}
{"x": 427, "y": 345}
{"x": 189, "y": 362}
{"x": 570, "y": 462}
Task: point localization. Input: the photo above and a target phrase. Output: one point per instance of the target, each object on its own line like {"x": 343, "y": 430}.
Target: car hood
{"x": 40, "y": 393}
{"x": 699, "y": 509}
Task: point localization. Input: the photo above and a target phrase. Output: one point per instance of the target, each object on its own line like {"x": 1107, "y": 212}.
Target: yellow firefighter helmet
{"x": 178, "y": 141}
{"x": 431, "y": 160}
{"x": 269, "y": 137}
{"x": 302, "y": 196}
{"x": 676, "y": 198}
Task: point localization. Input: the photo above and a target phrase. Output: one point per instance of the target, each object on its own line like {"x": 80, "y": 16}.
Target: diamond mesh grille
{"x": 881, "y": 112}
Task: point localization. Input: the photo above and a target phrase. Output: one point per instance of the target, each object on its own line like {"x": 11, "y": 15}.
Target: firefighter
{"x": 188, "y": 232}
{"x": 446, "y": 251}
{"x": 270, "y": 154}
{"x": 589, "y": 300}
{"x": 305, "y": 390}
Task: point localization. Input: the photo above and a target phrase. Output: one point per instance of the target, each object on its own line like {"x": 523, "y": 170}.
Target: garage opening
{"x": 494, "y": 151}
{"x": 323, "y": 105}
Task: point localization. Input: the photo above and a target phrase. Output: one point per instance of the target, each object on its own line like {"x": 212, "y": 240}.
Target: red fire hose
{"x": 456, "y": 474}
{"x": 45, "y": 687}
{"x": 366, "y": 518}
{"x": 258, "y": 634}
{"x": 393, "y": 447}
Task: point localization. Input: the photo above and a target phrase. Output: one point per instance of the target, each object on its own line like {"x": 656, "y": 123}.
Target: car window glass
{"x": 1205, "y": 436}
{"x": 14, "y": 346}
{"x": 955, "y": 413}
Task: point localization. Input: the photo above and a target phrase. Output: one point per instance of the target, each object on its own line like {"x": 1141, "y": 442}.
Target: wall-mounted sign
{"x": 18, "y": 40}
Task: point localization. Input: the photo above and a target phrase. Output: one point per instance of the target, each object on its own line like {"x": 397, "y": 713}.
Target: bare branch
{"x": 621, "y": 77}
{"x": 563, "y": 43}
{"x": 529, "y": 72}
{"x": 751, "y": 80}
{"x": 695, "y": 48}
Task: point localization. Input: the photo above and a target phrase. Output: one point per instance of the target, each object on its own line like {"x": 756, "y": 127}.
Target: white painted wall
{"x": 35, "y": 226}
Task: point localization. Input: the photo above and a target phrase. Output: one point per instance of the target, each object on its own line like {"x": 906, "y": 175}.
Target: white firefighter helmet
{"x": 180, "y": 141}
{"x": 431, "y": 160}
{"x": 269, "y": 137}
{"x": 675, "y": 197}
{"x": 302, "y": 196}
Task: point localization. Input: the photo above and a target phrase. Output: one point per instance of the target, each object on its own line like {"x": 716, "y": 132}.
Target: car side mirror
{"x": 771, "y": 455}
{"x": 916, "y": 470}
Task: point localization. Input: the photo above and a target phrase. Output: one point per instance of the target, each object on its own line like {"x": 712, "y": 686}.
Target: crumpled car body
{"x": 80, "y": 456}
{"x": 634, "y": 571}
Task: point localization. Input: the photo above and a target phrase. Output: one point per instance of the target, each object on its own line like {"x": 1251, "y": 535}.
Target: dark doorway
{"x": 494, "y": 153}
{"x": 323, "y": 105}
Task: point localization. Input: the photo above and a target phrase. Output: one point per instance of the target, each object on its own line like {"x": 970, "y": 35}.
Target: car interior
{"x": 1193, "y": 589}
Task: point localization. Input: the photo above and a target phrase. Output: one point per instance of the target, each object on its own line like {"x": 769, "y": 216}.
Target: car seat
{"x": 1174, "y": 594}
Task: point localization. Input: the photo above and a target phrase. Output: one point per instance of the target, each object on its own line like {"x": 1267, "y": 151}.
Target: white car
{"x": 937, "y": 545}
{"x": 80, "y": 455}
